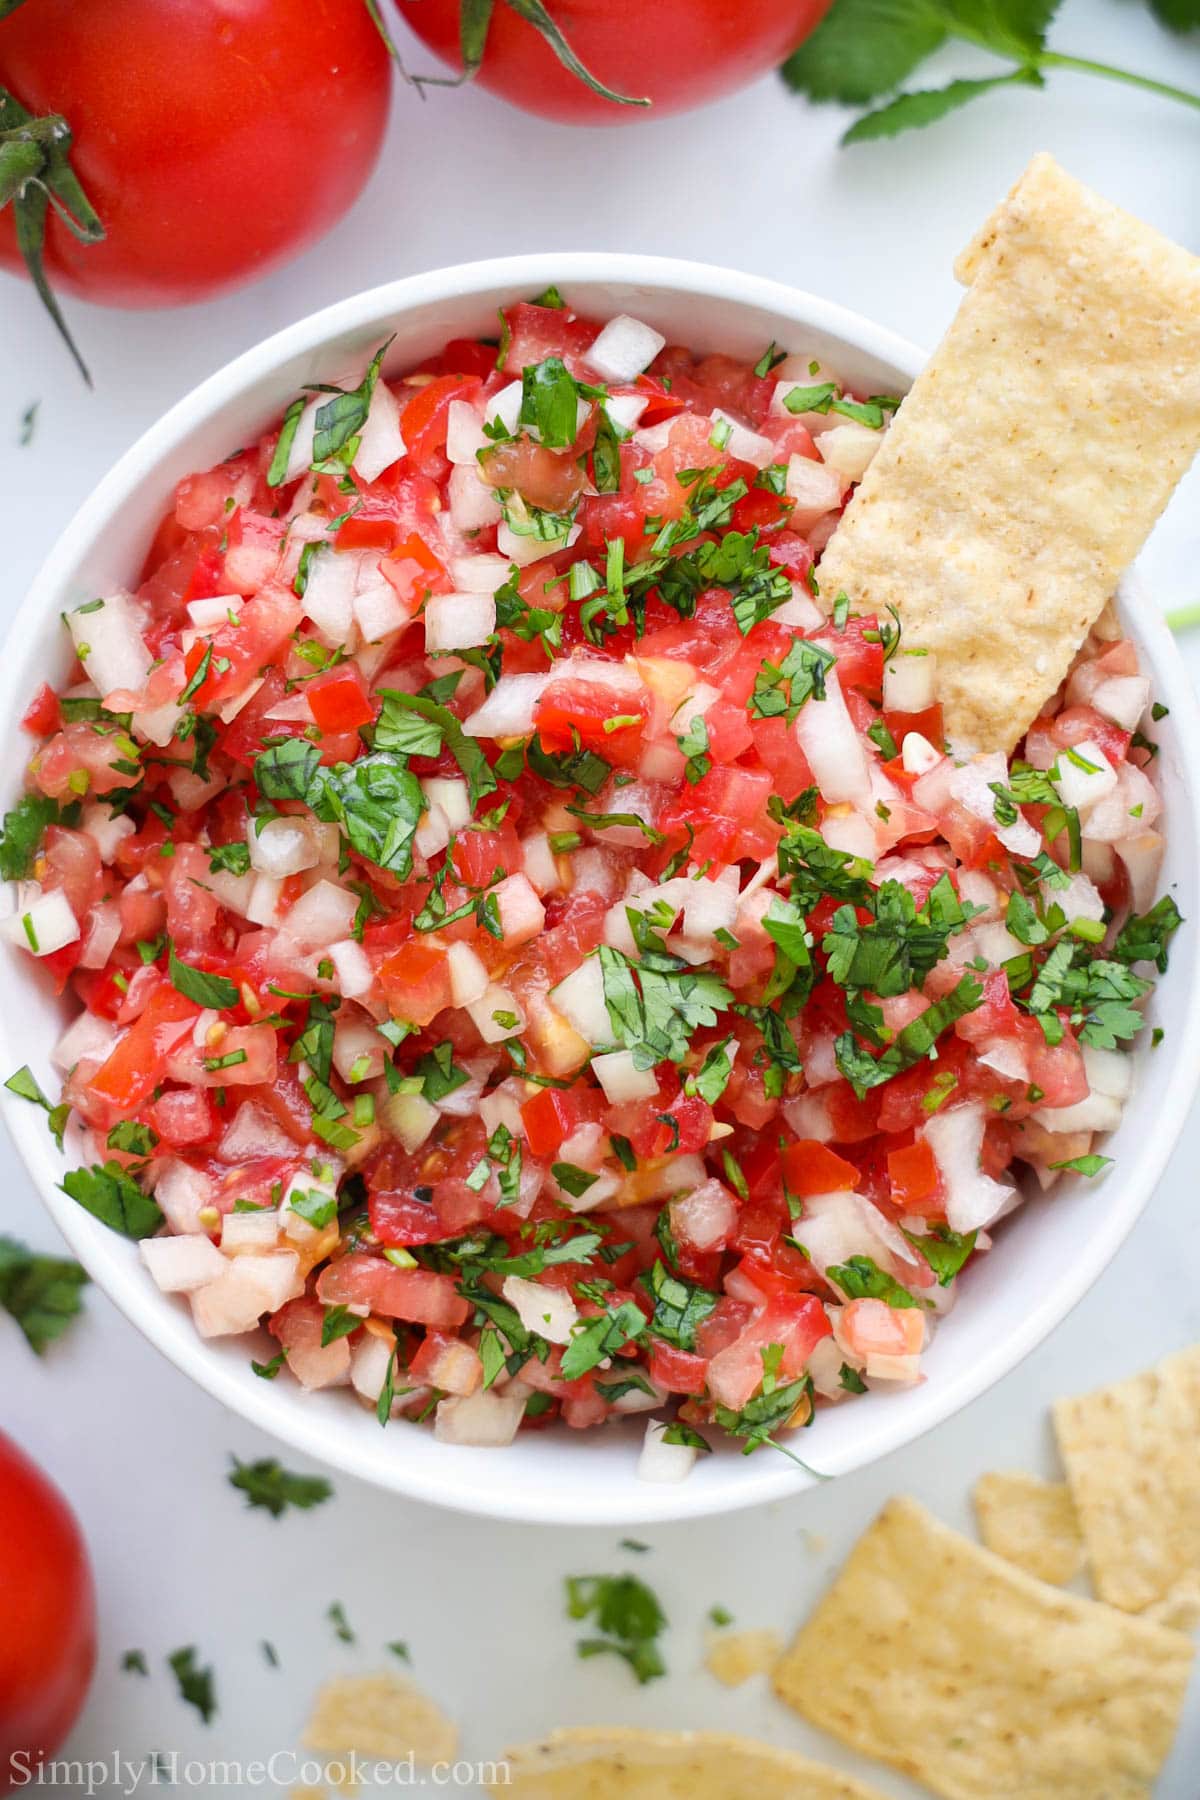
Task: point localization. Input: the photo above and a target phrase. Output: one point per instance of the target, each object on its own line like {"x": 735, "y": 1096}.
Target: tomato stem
{"x": 35, "y": 175}
{"x": 1184, "y": 618}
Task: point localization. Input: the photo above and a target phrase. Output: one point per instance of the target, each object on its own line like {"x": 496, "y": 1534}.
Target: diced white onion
{"x": 485, "y": 1419}
{"x": 106, "y": 828}
{"x": 580, "y": 1000}
{"x": 322, "y": 915}
{"x": 541, "y": 864}
{"x": 625, "y": 410}
{"x": 329, "y": 595}
{"x": 42, "y": 923}
{"x": 910, "y": 682}
{"x": 411, "y": 1118}
{"x": 263, "y": 905}
{"x": 742, "y": 443}
{"x": 829, "y": 740}
{"x": 182, "y": 1193}
{"x": 468, "y": 975}
{"x": 509, "y": 708}
{"x": 281, "y": 847}
{"x": 180, "y": 1265}
{"x": 522, "y": 915}
{"x": 464, "y": 433}
{"x": 350, "y": 965}
{"x": 815, "y": 489}
{"x": 109, "y": 644}
{"x": 506, "y": 406}
{"x": 481, "y": 574}
{"x": 253, "y": 1132}
{"x": 624, "y": 349}
{"x": 550, "y": 1312}
{"x": 247, "y": 1287}
{"x": 208, "y": 615}
{"x": 474, "y": 504}
{"x": 1123, "y": 699}
{"x": 379, "y": 611}
{"x": 709, "y": 907}
{"x": 243, "y": 1232}
{"x": 1109, "y": 1072}
{"x": 300, "y": 453}
{"x": 849, "y": 449}
{"x": 524, "y": 550}
{"x": 620, "y": 1079}
{"x": 1142, "y": 856}
{"x": 1083, "y": 775}
{"x": 1099, "y": 1112}
{"x": 371, "y": 1362}
{"x": 452, "y": 795}
{"x": 380, "y": 442}
{"x": 358, "y": 1049}
{"x": 458, "y": 621}
{"x": 972, "y": 1197}
{"x": 705, "y": 1218}
{"x": 660, "y": 1461}
{"x": 88, "y": 1038}
{"x": 971, "y": 786}
{"x": 497, "y": 1015}
{"x": 918, "y": 754}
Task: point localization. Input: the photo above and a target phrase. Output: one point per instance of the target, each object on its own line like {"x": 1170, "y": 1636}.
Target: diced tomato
{"x": 679, "y": 1371}
{"x": 42, "y": 715}
{"x": 928, "y": 723}
{"x": 339, "y": 700}
{"x": 812, "y": 1168}
{"x": 552, "y": 1115}
{"x": 607, "y": 720}
{"x": 425, "y": 416}
{"x": 421, "y": 1296}
{"x": 416, "y": 981}
{"x": 913, "y": 1174}
{"x": 136, "y": 1065}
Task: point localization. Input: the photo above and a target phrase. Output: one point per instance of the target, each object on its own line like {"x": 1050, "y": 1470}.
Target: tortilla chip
{"x": 609, "y": 1762}
{"x": 1180, "y": 1611}
{"x": 380, "y": 1715}
{"x": 969, "y": 1675}
{"x": 1030, "y": 1522}
{"x": 1132, "y": 1462}
{"x": 1035, "y": 451}
{"x": 734, "y": 1656}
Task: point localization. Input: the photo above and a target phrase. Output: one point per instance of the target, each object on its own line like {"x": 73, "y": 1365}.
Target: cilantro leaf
{"x": 865, "y": 48}
{"x": 597, "y": 1338}
{"x": 914, "y": 1041}
{"x": 628, "y": 1614}
{"x": 1145, "y": 937}
{"x": 1083, "y": 1165}
{"x": 196, "y": 1685}
{"x": 679, "y": 1305}
{"x": 24, "y": 1084}
{"x": 549, "y": 398}
{"x": 655, "y": 1004}
{"x": 944, "y": 1250}
{"x": 927, "y": 105}
{"x": 862, "y": 1279}
{"x": 114, "y": 1198}
{"x": 467, "y": 752}
{"x": 23, "y": 829}
{"x": 200, "y": 985}
{"x": 267, "y": 1484}
{"x": 764, "y": 1414}
{"x": 42, "y": 1293}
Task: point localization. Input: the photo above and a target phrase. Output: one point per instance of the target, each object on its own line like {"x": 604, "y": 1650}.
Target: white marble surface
{"x": 758, "y": 182}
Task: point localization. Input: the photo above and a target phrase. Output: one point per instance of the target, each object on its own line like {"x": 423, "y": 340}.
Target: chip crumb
{"x": 307, "y": 1793}
{"x": 734, "y": 1656}
{"x": 380, "y": 1715}
{"x": 965, "y": 1673}
{"x": 1130, "y": 1455}
{"x": 1030, "y": 1522}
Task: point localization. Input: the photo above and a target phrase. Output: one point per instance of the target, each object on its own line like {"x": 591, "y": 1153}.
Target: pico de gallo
{"x": 535, "y": 951}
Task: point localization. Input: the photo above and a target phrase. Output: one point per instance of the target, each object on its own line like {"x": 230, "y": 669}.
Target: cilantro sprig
{"x": 865, "y": 49}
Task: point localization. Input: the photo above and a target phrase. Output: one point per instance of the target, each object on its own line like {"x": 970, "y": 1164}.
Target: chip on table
{"x": 1030, "y": 1522}
{"x": 614, "y": 1763}
{"x": 945, "y": 1661}
{"x": 1036, "y": 449}
{"x": 1131, "y": 1456}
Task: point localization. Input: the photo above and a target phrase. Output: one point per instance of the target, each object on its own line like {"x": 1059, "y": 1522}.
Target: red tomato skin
{"x": 192, "y": 128}
{"x": 676, "y": 53}
{"x": 48, "y": 1646}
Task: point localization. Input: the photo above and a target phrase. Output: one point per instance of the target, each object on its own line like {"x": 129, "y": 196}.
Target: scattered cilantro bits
{"x": 196, "y": 1684}
{"x": 42, "y": 1293}
{"x": 627, "y": 1618}
{"x": 267, "y": 1484}
{"x": 531, "y": 957}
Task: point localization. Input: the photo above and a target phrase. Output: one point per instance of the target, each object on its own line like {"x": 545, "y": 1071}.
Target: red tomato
{"x": 676, "y": 53}
{"x": 812, "y": 1168}
{"x": 913, "y": 1174}
{"x": 193, "y": 134}
{"x": 48, "y": 1646}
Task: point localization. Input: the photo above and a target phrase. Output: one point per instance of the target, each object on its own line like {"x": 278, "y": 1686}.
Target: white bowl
{"x": 1045, "y": 1258}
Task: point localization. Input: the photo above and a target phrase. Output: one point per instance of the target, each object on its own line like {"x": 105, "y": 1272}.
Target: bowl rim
{"x": 760, "y": 1481}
